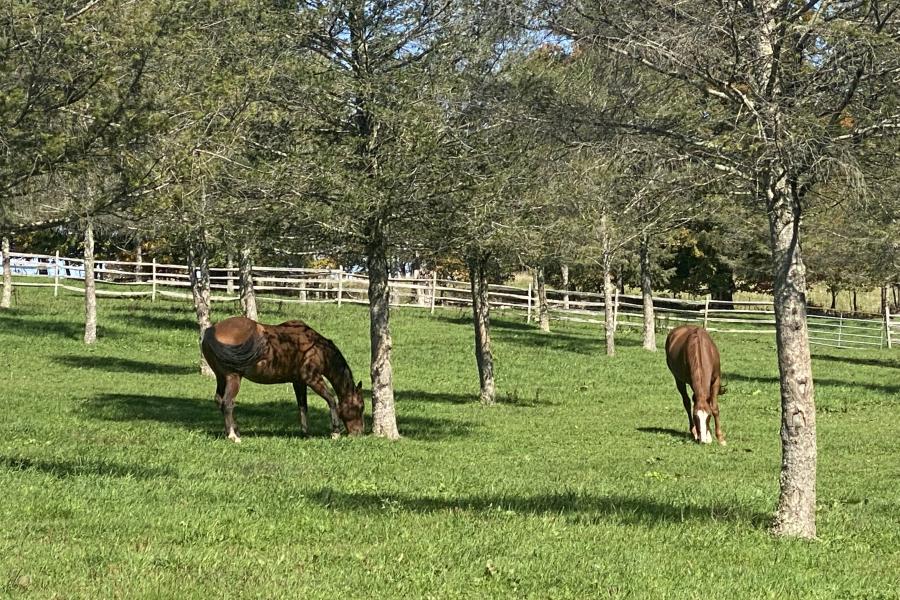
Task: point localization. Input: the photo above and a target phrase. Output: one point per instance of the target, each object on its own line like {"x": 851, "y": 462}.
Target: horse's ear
{"x": 359, "y": 386}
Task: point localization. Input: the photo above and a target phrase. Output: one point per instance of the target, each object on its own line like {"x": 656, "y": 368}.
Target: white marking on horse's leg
{"x": 234, "y": 437}
{"x": 705, "y": 435}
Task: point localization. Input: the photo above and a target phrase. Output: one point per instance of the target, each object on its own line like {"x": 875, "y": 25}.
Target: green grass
{"x": 581, "y": 483}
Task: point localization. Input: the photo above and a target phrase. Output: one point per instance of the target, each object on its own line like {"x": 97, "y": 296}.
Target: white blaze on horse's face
{"x": 705, "y": 435}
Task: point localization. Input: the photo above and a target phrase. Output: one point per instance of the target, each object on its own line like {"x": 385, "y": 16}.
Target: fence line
{"x": 300, "y": 285}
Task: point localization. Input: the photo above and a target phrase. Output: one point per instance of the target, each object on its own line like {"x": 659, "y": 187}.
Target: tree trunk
{"x": 608, "y": 311}
{"x": 481, "y": 314}
{"x": 384, "y": 417}
{"x": 796, "y": 512}
{"x": 247, "y": 292}
{"x": 139, "y": 260}
{"x": 565, "y": 285}
{"x": 543, "y": 308}
{"x": 855, "y": 305}
{"x": 608, "y": 289}
{"x": 647, "y": 295}
{"x": 90, "y": 286}
{"x": 6, "y": 298}
{"x": 198, "y": 265}
{"x": 229, "y": 268}
{"x": 834, "y": 294}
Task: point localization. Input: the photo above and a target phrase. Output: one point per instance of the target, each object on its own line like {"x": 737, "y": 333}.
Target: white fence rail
{"x": 298, "y": 285}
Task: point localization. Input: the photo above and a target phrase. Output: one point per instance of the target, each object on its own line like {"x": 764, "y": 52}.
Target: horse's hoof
{"x": 335, "y": 435}
{"x": 723, "y": 443}
{"x": 234, "y": 437}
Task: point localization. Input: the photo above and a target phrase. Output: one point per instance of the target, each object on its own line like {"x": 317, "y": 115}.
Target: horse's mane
{"x": 692, "y": 349}
{"x": 236, "y": 357}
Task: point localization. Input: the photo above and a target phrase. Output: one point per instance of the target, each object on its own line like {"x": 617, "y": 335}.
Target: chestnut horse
{"x": 288, "y": 353}
{"x": 693, "y": 359}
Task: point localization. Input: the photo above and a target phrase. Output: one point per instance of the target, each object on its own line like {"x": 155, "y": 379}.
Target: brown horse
{"x": 693, "y": 359}
{"x": 288, "y": 353}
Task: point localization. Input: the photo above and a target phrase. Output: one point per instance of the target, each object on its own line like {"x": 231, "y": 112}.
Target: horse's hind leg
{"x": 220, "y": 390}
{"x": 682, "y": 389}
{"x": 318, "y": 386}
{"x": 302, "y": 407}
{"x": 232, "y": 387}
{"x": 714, "y": 407}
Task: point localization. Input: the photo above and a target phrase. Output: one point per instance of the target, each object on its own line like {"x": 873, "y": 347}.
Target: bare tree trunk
{"x": 543, "y": 308}
{"x": 481, "y": 314}
{"x": 6, "y": 298}
{"x": 608, "y": 289}
{"x": 855, "y": 305}
{"x": 90, "y": 286}
{"x": 834, "y": 294}
{"x": 384, "y": 417}
{"x": 565, "y": 285}
{"x": 796, "y": 512}
{"x": 139, "y": 260}
{"x": 229, "y": 268}
{"x": 198, "y": 265}
{"x": 608, "y": 314}
{"x": 247, "y": 292}
{"x": 647, "y": 295}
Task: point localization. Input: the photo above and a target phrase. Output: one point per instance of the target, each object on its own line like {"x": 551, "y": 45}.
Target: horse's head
{"x": 350, "y": 410}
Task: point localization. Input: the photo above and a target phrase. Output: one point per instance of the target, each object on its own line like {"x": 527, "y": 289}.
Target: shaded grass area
{"x": 580, "y": 483}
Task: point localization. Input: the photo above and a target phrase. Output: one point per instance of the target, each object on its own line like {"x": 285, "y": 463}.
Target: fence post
{"x": 153, "y": 283}
{"x": 340, "y": 284}
{"x": 433, "y": 290}
{"x": 529, "y": 303}
{"x": 887, "y": 324}
{"x": 706, "y": 312}
{"x": 840, "y": 328}
{"x": 56, "y": 276}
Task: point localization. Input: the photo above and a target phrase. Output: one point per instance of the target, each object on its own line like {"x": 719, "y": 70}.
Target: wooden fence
{"x": 297, "y": 285}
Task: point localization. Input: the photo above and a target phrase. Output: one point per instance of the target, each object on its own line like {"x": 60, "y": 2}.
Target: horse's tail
{"x": 235, "y": 357}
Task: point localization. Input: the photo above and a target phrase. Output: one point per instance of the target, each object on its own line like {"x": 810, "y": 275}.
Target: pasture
{"x": 582, "y": 483}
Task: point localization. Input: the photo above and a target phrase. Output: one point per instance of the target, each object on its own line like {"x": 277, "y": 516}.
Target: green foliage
{"x": 580, "y": 483}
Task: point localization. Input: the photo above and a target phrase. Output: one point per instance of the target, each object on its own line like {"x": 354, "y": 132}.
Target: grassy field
{"x": 581, "y": 483}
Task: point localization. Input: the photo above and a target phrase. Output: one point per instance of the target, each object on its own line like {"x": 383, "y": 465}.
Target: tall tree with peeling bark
{"x": 787, "y": 95}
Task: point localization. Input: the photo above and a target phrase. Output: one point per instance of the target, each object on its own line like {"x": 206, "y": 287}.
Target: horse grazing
{"x": 288, "y": 353}
{"x": 693, "y": 359}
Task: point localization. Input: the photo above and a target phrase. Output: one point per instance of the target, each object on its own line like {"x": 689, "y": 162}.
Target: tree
{"x": 68, "y": 77}
{"x": 377, "y": 122}
{"x": 785, "y": 96}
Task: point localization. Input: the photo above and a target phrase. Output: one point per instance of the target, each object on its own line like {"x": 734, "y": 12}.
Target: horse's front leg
{"x": 232, "y": 387}
{"x": 318, "y": 386}
{"x": 302, "y": 407}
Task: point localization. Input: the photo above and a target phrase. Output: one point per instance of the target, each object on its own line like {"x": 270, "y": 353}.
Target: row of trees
{"x": 489, "y": 135}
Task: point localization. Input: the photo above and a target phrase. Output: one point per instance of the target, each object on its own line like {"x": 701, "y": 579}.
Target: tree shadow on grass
{"x": 514, "y": 332}
{"x": 437, "y": 397}
{"x": 886, "y": 389}
{"x": 122, "y": 365}
{"x": 856, "y": 360}
{"x": 260, "y": 419}
{"x": 24, "y": 326}
{"x": 582, "y": 507}
{"x": 176, "y": 322}
{"x": 63, "y": 469}
{"x": 681, "y": 435}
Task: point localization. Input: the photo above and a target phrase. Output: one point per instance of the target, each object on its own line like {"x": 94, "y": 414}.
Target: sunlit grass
{"x": 581, "y": 483}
